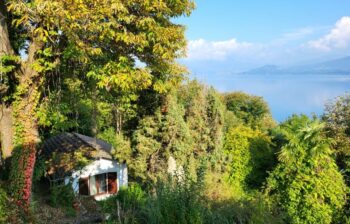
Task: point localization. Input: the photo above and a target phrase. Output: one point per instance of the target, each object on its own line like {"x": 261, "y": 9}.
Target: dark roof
{"x": 70, "y": 142}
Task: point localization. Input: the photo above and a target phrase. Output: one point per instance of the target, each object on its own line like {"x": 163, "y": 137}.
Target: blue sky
{"x": 239, "y": 35}
{"x": 229, "y": 36}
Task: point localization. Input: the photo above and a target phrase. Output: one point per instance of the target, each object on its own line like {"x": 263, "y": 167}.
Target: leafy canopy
{"x": 306, "y": 182}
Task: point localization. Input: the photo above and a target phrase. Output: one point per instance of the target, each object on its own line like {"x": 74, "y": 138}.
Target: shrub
{"x": 184, "y": 201}
{"x": 3, "y": 206}
{"x": 62, "y": 196}
{"x": 125, "y": 207}
{"x": 306, "y": 182}
{"x": 175, "y": 201}
{"x": 245, "y": 211}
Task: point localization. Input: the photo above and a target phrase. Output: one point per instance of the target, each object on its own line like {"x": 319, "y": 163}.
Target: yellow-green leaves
{"x": 109, "y": 38}
{"x": 121, "y": 75}
{"x": 306, "y": 182}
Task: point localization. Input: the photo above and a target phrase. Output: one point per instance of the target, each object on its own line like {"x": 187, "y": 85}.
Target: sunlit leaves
{"x": 306, "y": 182}
{"x": 105, "y": 32}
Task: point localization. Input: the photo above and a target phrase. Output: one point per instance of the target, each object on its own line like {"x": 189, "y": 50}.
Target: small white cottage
{"x": 86, "y": 163}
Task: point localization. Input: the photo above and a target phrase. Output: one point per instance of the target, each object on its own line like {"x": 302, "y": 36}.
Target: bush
{"x": 62, "y": 196}
{"x": 3, "y": 206}
{"x": 184, "y": 201}
{"x": 175, "y": 201}
{"x": 244, "y": 211}
{"x": 126, "y": 206}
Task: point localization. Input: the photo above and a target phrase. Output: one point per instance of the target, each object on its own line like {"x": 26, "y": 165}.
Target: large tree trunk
{"x": 26, "y": 108}
{"x": 6, "y": 131}
{"x": 5, "y": 45}
{"x": 6, "y": 123}
{"x": 26, "y": 135}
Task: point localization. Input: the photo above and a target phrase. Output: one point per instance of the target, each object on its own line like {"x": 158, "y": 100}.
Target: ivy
{"x": 23, "y": 162}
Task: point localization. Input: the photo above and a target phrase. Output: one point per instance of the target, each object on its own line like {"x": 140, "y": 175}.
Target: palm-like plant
{"x": 306, "y": 182}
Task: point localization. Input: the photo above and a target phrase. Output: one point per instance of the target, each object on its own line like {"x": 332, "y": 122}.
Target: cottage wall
{"x": 98, "y": 167}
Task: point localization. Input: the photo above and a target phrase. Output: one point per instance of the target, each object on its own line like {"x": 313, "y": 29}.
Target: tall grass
{"x": 175, "y": 201}
{"x": 183, "y": 201}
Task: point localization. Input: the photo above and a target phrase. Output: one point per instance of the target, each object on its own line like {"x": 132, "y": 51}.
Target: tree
{"x": 158, "y": 137}
{"x": 104, "y": 40}
{"x": 306, "y": 183}
{"x": 250, "y": 157}
{"x": 216, "y": 120}
{"x": 192, "y": 96}
{"x": 251, "y": 110}
{"x": 7, "y": 81}
{"x": 337, "y": 118}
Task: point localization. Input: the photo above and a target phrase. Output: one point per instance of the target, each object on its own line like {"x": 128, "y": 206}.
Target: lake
{"x": 286, "y": 94}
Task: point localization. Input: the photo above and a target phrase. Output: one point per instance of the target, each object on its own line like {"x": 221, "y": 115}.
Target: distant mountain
{"x": 338, "y": 66}
{"x": 266, "y": 69}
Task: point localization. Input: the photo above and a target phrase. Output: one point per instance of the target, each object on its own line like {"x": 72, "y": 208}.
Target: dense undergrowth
{"x": 184, "y": 201}
{"x": 109, "y": 69}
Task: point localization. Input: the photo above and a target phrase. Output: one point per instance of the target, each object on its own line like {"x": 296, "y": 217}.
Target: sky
{"x": 228, "y": 36}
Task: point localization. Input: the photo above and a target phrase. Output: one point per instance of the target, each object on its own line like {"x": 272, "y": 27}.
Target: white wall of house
{"x": 100, "y": 166}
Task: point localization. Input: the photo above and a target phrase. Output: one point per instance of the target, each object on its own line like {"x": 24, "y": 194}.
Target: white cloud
{"x": 337, "y": 38}
{"x": 296, "y": 46}
{"x": 202, "y": 49}
{"x": 295, "y": 35}
{"x": 215, "y": 50}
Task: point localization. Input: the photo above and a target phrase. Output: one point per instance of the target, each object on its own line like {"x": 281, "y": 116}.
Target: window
{"x": 99, "y": 184}
{"x": 83, "y": 186}
{"x": 93, "y": 185}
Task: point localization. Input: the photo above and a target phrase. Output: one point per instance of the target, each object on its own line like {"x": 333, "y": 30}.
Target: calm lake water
{"x": 286, "y": 94}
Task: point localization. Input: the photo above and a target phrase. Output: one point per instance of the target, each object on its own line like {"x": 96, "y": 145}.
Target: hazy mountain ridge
{"x": 337, "y": 66}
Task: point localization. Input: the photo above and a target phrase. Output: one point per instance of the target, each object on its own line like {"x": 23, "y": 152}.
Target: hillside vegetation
{"x": 109, "y": 69}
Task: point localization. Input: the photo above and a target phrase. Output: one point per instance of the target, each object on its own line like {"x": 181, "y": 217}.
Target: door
{"x": 84, "y": 186}
{"x": 112, "y": 183}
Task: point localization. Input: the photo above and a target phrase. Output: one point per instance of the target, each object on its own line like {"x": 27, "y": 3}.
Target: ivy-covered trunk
{"x": 18, "y": 124}
{"x": 6, "y": 124}
{"x": 26, "y": 129}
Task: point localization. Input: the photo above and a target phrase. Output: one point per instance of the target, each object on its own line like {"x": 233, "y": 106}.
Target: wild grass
{"x": 176, "y": 201}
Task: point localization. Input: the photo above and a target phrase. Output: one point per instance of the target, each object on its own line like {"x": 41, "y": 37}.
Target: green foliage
{"x": 216, "y": 120}
{"x": 66, "y": 109}
{"x": 39, "y": 169}
{"x": 337, "y": 118}
{"x": 146, "y": 145}
{"x": 158, "y": 137}
{"x": 8, "y": 80}
{"x": 193, "y": 98}
{"x": 109, "y": 69}
{"x": 188, "y": 126}
{"x": 250, "y": 157}
{"x": 3, "y": 206}
{"x": 129, "y": 203}
{"x": 175, "y": 134}
{"x": 184, "y": 201}
{"x": 62, "y": 196}
{"x": 122, "y": 146}
{"x": 306, "y": 183}
{"x": 255, "y": 210}
{"x": 8, "y": 63}
{"x": 118, "y": 34}
{"x": 175, "y": 201}
{"x": 204, "y": 116}
{"x": 251, "y": 110}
